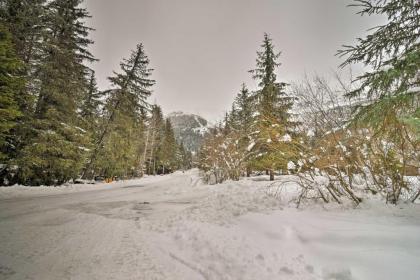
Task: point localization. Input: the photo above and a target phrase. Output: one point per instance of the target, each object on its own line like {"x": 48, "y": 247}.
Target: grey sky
{"x": 201, "y": 49}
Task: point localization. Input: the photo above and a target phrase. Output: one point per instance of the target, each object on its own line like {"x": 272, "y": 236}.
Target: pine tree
{"x": 156, "y": 128}
{"x": 26, "y": 21}
{"x": 267, "y": 63}
{"x": 273, "y": 119}
{"x": 244, "y": 102}
{"x": 245, "y": 106}
{"x": 391, "y": 89}
{"x": 10, "y": 85}
{"x": 183, "y": 158}
{"x": 169, "y": 148}
{"x": 92, "y": 104}
{"x": 123, "y": 118}
{"x": 134, "y": 84}
{"x": 56, "y": 149}
{"x": 232, "y": 121}
{"x": 393, "y": 53}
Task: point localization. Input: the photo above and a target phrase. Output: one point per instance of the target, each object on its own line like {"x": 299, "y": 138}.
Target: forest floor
{"x": 175, "y": 227}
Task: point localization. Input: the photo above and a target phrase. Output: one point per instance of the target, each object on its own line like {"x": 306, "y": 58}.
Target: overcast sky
{"x": 201, "y": 50}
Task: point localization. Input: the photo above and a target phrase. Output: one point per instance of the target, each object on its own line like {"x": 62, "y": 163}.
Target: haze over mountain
{"x": 189, "y": 129}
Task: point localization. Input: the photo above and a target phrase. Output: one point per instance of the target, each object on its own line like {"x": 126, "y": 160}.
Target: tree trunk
{"x": 151, "y": 157}
{"x": 248, "y": 171}
{"x": 143, "y": 160}
{"x": 267, "y": 172}
{"x": 271, "y": 175}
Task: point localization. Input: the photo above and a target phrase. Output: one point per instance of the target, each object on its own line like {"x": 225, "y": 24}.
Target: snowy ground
{"x": 173, "y": 227}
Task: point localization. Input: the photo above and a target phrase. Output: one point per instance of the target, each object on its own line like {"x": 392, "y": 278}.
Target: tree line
{"x": 56, "y": 125}
{"x": 361, "y": 135}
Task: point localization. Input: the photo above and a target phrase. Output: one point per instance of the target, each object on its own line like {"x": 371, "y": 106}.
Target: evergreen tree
{"x": 232, "y": 121}
{"x": 134, "y": 83}
{"x": 245, "y": 106}
{"x": 244, "y": 101}
{"x": 91, "y": 104}
{"x": 156, "y": 129}
{"x": 393, "y": 53}
{"x": 10, "y": 85}
{"x": 25, "y": 19}
{"x": 118, "y": 142}
{"x": 91, "y": 113}
{"x": 273, "y": 119}
{"x": 56, "y": 149}
{"x": 169, "y": 148}
{"x": 183, "y": 158}
{"x": 265, "y": 73}
{"x": 391, "y": 89}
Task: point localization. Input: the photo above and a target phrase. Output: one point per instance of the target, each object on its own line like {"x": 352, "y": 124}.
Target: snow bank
{"x": 26, "y": 191}
{"x": 249, "y": 230}
{"x": 239, "y": 230}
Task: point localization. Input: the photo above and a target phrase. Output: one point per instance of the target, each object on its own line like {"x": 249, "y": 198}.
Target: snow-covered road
{"x": 92, "y": 234}
{"x": 173, "y": 227}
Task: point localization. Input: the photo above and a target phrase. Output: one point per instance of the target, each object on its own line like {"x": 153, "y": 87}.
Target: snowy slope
{"x": 189, "y": 129}
{"x": 174, "y": 227}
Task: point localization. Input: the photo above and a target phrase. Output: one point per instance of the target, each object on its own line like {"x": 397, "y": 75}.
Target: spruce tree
{"x": 91, "y": 103}
{"x": 10, "y": 85}
{"x": 183, "y": 158}
{"x": 390, "y": 90}
{"x": 273, "y": 119}
{"x": 245, "y": 106}
{"x": 169, "y": 148}
{"x": 265, "y": 72}
{"x": 117, "y": 146}
{"x": 26, "y": 20}
{"x": 156, "y": 129}
{"x": 56, "y": 149}
{"x": 392, "y": 51}
{"x": 244, "y": 101}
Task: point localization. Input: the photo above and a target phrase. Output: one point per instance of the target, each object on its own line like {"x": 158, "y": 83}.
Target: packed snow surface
{"x": 174, "y": 227}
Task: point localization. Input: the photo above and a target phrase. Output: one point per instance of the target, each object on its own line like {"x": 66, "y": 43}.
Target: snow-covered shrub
{"x": 221, "y": 157}
{"x": 355, "y": 158}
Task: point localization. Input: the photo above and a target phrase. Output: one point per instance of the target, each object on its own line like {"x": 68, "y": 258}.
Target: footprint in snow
{"x": 260, "y": 259}
{"x": 286, "y": 270}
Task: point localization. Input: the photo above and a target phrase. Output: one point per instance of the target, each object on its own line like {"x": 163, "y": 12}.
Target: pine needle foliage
{"x": 392, "y": 51}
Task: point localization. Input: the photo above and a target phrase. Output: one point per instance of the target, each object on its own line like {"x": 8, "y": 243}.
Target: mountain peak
{"x": 189, "y": 129}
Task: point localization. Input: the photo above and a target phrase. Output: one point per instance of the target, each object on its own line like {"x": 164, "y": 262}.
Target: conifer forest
{"x": 318, "y": 169}
{"x": 56, "y": 125}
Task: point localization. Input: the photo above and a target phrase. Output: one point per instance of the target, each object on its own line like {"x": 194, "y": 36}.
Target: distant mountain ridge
{"x": 189, "y": 129}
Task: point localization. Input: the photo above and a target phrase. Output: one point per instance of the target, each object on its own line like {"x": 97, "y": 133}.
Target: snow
{"x": 250, "y": 146}
{"x": 175, "y": 227}
{"x": 81, "y": 129}
{"x": 286, "y": 138}
{"x": 291, "y": 165}
{"x": 202, "y": 129}
{"x": 84, "y": 149}
{"x": 413, "y": 89}
{"x": 310, "y": 133}
{"x": 18, "y": 191}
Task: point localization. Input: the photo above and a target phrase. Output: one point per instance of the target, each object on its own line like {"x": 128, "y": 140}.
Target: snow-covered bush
{"x": 221, "y": 157}
{"x": 353, "y": 157}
